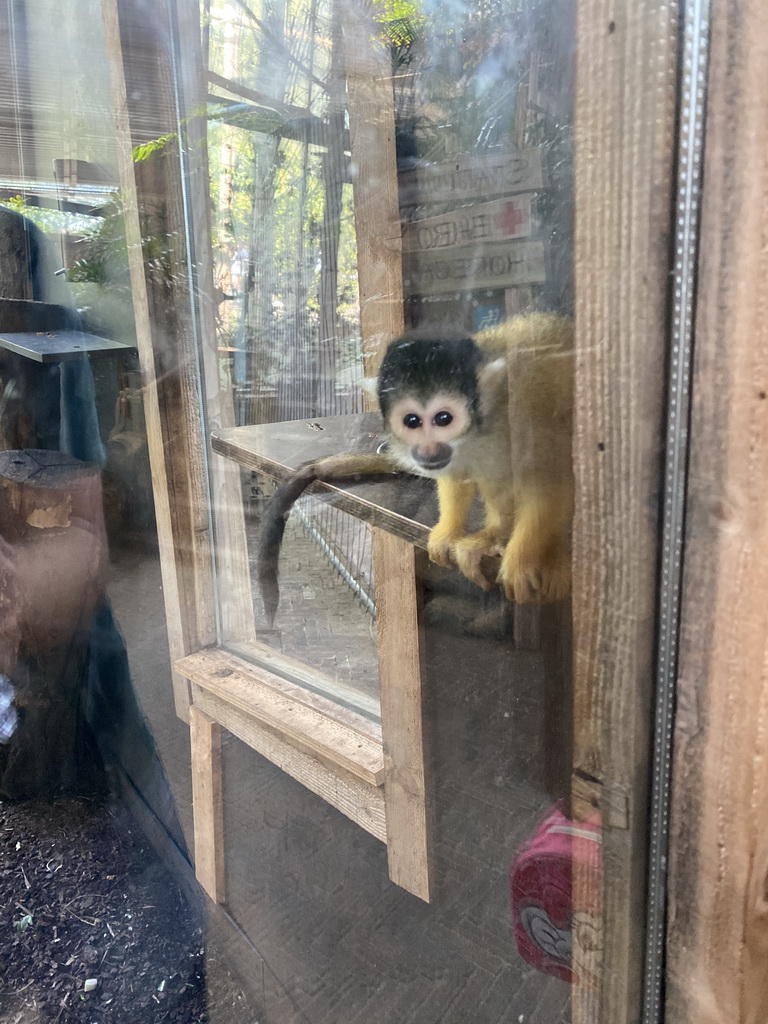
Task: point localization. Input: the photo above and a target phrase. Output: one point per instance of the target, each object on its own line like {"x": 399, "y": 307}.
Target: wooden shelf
{"x": 56, "y": 346}
{"x": 404, "y": 506}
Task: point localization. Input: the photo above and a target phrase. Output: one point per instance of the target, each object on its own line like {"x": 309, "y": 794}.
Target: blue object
{"x": 8, "y": 717}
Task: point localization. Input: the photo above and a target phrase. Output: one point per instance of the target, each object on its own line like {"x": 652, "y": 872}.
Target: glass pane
{"x": 481, "y": 161}
{"x": 377, "y": 169}
{"x": 235, "y": 207}
{"x": 288, "y": 319}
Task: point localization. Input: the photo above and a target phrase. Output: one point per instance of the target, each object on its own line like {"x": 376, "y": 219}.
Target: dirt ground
{"x": 93, "y": 930}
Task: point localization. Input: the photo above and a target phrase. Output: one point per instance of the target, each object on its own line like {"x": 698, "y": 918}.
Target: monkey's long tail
{"x": 277, "y": 510}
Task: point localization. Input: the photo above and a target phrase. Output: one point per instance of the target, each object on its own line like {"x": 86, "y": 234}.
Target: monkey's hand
{"x": 455, "y": 496}
{"x": 468, "y": 553}
{"x": 440, "y": 545}
{"x": 535, "y": 577}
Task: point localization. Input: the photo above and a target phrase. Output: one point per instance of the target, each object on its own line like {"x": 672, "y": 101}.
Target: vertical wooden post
{"x": 624, "y": 145}
{"x": 718, "y": 884}
{"x": 380, "y": 277}
{"x": 205, "y": 738}
{"x": 233, "y": 581}
{"x": 399, "y": 644}
{"x": 377, "y": 210}
{"x": 166, "y": 342}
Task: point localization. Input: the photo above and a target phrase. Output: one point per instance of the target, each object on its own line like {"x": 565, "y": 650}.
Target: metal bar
{"x": 692, "y": 97}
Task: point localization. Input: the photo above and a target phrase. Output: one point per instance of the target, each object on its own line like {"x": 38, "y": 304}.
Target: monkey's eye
{"x": 442, "y": 419}
{"x": 412, "y": 421}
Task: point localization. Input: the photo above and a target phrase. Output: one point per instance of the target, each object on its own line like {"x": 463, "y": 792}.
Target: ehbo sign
{"x": 470, "y": 225}
{"x": 477, "y": 246}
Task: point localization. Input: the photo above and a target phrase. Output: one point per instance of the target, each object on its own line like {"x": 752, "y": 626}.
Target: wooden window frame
{"x": 375, "y": 775}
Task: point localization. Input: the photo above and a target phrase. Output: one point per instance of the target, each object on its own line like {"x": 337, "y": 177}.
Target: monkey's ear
{"x": 370, "y": 386}
{"x": 493, "y": 374}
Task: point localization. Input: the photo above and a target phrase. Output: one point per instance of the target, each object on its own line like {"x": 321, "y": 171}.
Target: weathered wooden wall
{"x": 624, "y": 136}
{"x": 718, "y": 911}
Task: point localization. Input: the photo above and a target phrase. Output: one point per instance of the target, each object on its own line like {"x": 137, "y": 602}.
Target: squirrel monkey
{"x": 488, "y": 415}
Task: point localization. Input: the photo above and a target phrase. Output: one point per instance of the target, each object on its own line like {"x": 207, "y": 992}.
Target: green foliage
{"x": 50, "y": 221}
{"x": 148, "y": 149}
{"x": 402, "y": 23}
{"x": 105, "y": 256}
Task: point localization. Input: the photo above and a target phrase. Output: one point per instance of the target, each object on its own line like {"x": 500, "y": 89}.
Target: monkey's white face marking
{"x": 430, "y": 431}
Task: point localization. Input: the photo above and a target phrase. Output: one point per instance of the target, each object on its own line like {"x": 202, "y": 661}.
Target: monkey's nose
{"x": 432, "y": 456}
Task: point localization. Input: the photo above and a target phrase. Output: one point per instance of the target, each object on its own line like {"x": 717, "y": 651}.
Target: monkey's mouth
{"x": 432, "y": 458}
{"x": 433, "y": 465}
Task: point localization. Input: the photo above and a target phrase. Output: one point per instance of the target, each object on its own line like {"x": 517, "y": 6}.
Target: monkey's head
{"x": 429, "y": 397}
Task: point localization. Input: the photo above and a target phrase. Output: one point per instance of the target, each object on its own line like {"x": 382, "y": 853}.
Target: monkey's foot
{"x": 470, "y": 551}
{"x": 536, "y": 581}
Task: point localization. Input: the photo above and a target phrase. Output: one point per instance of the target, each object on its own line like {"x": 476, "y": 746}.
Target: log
{"x": 53, "y": 560}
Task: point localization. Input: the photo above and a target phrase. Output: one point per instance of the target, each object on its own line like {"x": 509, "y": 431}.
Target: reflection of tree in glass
{"x": 498, "y": 75}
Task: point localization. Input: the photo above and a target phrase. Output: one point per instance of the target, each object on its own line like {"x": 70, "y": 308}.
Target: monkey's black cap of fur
{"x": 421, "y": 365}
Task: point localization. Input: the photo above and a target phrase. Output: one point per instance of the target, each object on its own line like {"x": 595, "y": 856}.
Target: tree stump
{"x": 53, "y": 560}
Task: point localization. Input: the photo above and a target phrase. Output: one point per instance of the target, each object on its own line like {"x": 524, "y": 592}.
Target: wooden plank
{"x": 55, "y": 346}
{"x": 400, "y": 674}
{"x": 526, "y": 627}
{"x": 475, "y": 225}
{"x": 313, "y": 680}
{"x": 718, "y": 924}
{"x": 405, "y": 506}
{"x": 162, "y": 314}
{"x": 400, "y": 504}
{"x": 233, "y": 582}
{"x": 554, "y": 629}
{"x": 296, "y": 716}
{"x": 624, "y": 142}
{"x": 490, "y": 265}
{"x": 359, "y": 801}
{"x": 296, "y": 681}
{"x": 473, "y": 177}
{"x": 205, "y": 740}
{"x": 285, "y": 110}
{"x": 374, "y": 182}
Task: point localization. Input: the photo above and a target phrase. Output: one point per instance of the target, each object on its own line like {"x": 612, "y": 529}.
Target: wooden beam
{"x": 361, "y": 802}
{"x": 400, "y": 674}
{"x": 286, "y": 110}
{"x": 233, "y": 592}
{"x": 301, "y": 717}
{"x": 624, "y": 143}
{"x": 205, "y": 739}
{"x": 166, "y": 342}
{"x": 718, "y": 882}
{"x": 374, "y": 182}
